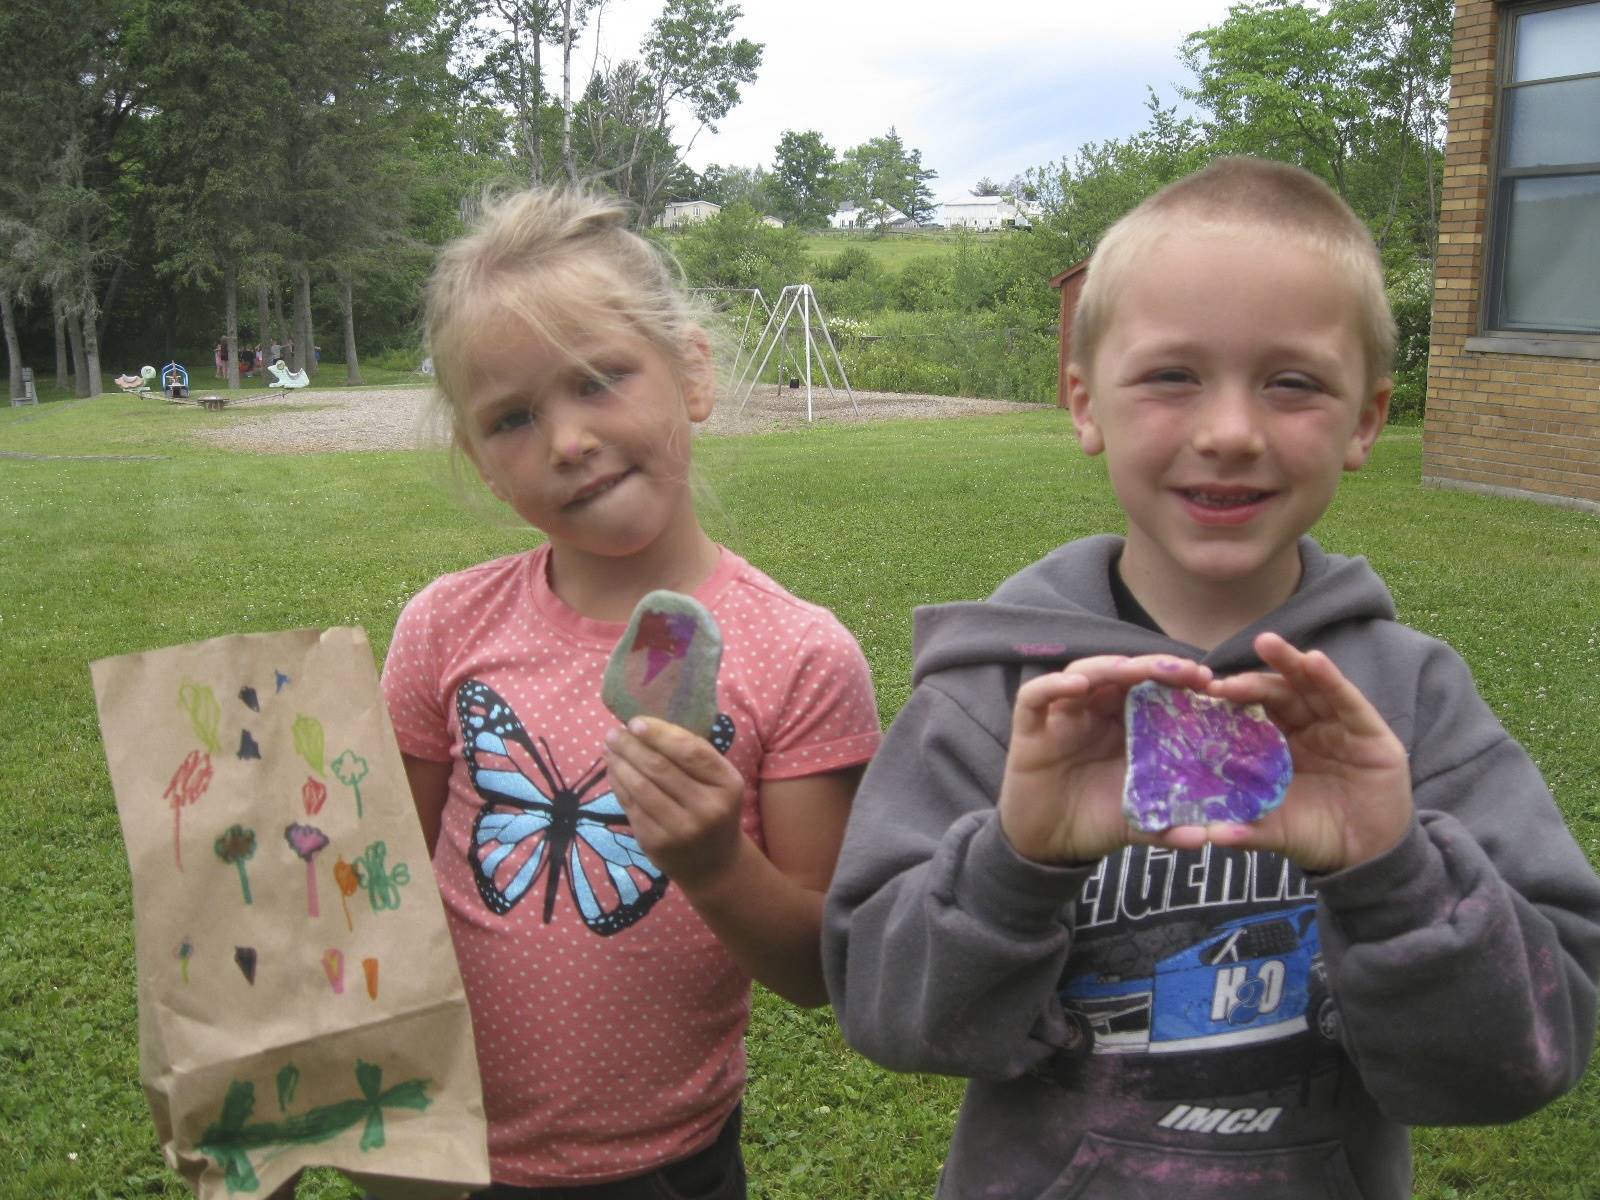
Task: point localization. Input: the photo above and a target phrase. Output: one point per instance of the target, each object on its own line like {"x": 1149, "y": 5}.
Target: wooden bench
{"x": 29, "y": 396}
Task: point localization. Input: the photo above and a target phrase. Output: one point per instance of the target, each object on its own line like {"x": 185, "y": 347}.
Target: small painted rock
{"x": 1194, "y": 759}
{"x": 666, "y": 663}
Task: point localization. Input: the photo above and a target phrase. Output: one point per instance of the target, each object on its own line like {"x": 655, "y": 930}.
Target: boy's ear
{"x": 700, "y": 377}
{"x": 1081, "y": 405}
{"x": 1369, "y": 424}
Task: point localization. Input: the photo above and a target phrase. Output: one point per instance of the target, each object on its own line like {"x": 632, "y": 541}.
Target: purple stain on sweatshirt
{"x": 1040, "y": 649}
{"x": 1194, "y": 759}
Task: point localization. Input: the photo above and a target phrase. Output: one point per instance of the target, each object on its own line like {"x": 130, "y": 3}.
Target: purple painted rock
{"x": 1194, "y": 759}
{"x": 666, "y": 664}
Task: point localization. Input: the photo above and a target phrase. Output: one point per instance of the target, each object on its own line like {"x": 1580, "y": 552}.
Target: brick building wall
{"x": 1498, "y": 420}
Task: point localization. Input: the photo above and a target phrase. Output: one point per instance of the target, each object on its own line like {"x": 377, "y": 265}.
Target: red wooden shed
{"x": 1070, "y": 284}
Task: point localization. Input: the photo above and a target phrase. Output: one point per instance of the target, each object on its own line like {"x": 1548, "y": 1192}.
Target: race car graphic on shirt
{"x": 1257, "y": 978}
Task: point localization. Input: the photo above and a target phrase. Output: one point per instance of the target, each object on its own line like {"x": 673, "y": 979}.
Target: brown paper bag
{"x": 299, "y": 1001}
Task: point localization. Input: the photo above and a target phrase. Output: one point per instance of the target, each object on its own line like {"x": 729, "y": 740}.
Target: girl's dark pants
{"x": 715, "y": 1173}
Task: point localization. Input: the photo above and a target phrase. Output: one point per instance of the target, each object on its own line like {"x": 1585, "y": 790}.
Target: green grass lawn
{"x": 140, "y": 538}
{"x": 892, "y": 250}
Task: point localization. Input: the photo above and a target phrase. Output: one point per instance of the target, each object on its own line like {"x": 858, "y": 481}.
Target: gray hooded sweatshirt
{"x": 1208, "y": 1023}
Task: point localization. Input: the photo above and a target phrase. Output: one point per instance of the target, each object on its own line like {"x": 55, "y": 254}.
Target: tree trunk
{"x": 264, "y": 313}
{"x": 91, "y": 351}
{"x": 230, "y": 305}
{"x": 305, "y": 346}
{"x": 169, "y": 323}
{"x": 63, "y": 364}
{"x": 113, "y": 290}
{"x": 566, "y": 91}
{"x": 13, "y": 350}
{"x": 277, "y": 313}
{"x": 352, "y": 368}
{"x": 536, "y": 150}
{"x": 80, "y": 367}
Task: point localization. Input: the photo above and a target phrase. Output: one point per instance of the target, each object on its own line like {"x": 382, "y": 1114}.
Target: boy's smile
{"x": 1228, "y": 393}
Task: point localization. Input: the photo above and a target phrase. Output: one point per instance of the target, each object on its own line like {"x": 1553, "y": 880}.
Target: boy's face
{"x": 1228, "y": 393}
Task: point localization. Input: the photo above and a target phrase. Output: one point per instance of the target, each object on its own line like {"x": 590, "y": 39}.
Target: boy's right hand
{"x": 1061, "y": 798}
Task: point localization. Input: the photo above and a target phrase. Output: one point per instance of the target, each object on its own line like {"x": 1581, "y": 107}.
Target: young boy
{"x": 1230, "y": 1011}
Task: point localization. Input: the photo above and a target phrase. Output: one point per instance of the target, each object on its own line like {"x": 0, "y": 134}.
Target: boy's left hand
{"x": 1350, "y": 799}
{"x": 683, "y": 797}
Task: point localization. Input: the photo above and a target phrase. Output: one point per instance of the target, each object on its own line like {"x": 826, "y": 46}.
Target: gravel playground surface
{"x": 318, "y": 420}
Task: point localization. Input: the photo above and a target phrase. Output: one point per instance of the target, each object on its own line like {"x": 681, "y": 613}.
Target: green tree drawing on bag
{"x": 230, "y": 1139}
{"x": 350, "y": 769}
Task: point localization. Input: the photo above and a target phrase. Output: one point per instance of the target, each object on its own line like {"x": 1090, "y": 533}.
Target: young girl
{"x": 611, "y": 891}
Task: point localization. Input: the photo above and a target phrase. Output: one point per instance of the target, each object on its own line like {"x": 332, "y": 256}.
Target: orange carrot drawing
{"x": 349, "y": 881}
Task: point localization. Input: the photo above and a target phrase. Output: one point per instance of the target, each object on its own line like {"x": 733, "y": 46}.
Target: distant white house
{"x": 687, "y": 212}
{"x": 771, "y": 222}
{"x": 984, "y": 212}
{"x": 851, "y": 217}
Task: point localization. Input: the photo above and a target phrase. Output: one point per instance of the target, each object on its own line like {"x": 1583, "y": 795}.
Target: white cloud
{"x": 978, "y": 89}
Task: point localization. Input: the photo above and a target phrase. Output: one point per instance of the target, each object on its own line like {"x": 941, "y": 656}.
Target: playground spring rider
{"x": 174, "y": 381}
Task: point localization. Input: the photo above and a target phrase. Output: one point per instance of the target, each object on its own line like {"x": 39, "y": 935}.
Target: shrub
{"x": 923, "y": 285}
{"x": 850, "y": 263}
{"x": 1411, "y": 299}
{"x": 734, "y": 249}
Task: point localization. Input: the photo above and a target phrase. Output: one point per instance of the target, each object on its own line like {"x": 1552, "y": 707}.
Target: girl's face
{"x": 591, "y": 446}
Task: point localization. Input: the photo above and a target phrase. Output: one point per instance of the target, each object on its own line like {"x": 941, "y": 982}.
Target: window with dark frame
{"x": 1545, "y": 255}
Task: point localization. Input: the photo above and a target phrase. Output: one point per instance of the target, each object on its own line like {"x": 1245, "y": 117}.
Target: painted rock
{"x": 1194, "y": 759}
{"x": 666, "y": 663}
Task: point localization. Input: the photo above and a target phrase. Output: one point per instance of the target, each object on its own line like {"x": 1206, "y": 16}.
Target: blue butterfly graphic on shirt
{"x": 532, "y": 827}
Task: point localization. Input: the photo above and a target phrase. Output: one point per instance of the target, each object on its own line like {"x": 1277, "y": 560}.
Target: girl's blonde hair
{"x": 560, "y": 261}
{"x": 1249, "y": 197}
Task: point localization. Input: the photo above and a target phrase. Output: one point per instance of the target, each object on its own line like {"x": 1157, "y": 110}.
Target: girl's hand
{"x": 683, "y": 798}
{"x": 1061, "y": 798}
{"x": 1350, "y": 800}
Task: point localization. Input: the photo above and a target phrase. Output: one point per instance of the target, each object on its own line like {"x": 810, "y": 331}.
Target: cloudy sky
{"x": 981, "y": 89}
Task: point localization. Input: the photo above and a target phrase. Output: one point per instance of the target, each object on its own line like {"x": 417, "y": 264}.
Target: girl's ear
{"x": 1369, "y": 424}
{"x": 699, "y": 375}
{"x": 1081, "y": 405}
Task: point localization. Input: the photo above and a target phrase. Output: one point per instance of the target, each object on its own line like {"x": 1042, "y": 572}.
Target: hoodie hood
{"x": 1061, "y": 608}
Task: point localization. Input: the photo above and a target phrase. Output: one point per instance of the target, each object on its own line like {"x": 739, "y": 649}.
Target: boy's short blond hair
{"x": 1243, "y": 196}
{"x": 562, "y": 262}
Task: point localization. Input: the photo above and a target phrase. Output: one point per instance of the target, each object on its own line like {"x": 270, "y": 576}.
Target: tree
{"x": 1284, "y": 80}
{"x": 210, "y": 93}
{"x": 1083, "y": 196}
{"x": 881, "y": 174}
{"x": 690, "y": 61}
{"x": 1354, "y": 92}
{"x": 731, "y": 185}
{"x": 804, "y": 179}
{"x": 511, "y": 35}
{"x": 68, "y": 97}
{"x": 986, "y": 187}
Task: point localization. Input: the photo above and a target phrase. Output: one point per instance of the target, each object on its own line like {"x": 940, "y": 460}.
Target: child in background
{"x": 607, "y": 949}
{"x": 1239, "y": 1011}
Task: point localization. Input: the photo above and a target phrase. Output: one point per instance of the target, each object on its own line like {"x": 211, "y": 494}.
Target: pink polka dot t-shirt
{"x": 609, "y": 1020}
